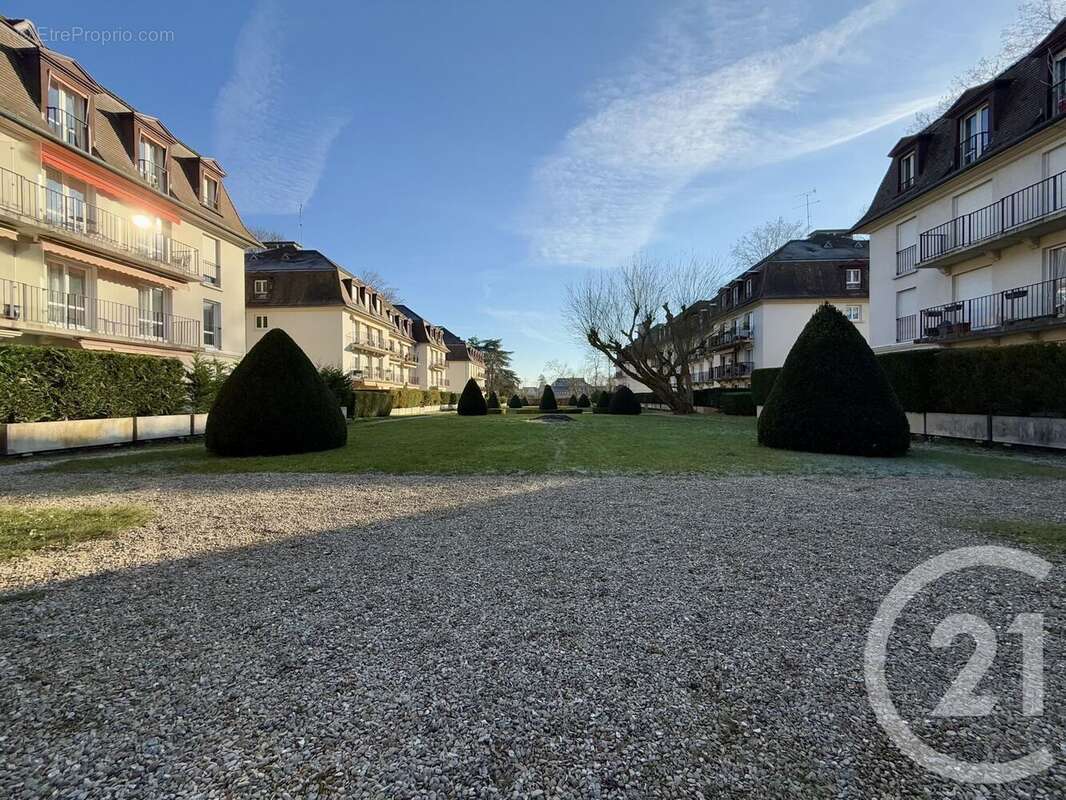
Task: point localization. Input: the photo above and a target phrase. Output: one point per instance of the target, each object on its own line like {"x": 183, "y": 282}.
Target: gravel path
{"x": 350, "y": 636}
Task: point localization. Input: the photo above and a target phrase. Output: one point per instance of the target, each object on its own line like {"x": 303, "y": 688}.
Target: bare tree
{"x": 264, "y": 234}
{"x": 1034, "y": 20}
{"x": 762, "y": 240}
{"x": 376, "y": 281}
{"x": 646, "y": 318}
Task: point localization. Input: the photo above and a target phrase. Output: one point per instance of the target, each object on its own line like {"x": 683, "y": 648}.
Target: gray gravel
{"x": 321, "y": 636}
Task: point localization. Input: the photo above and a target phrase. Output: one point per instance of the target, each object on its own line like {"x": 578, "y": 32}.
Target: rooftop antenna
{"x": 300, "y": 223}
{"x": 807, "y": 202}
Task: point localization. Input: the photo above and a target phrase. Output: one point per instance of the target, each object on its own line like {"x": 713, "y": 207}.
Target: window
{"x": 853, "y": 278}
{"x": 68, "y": 115}
{"x": 209, "y": 192}
{"x": 736, "y": 295}
{"x": 67, "y": 301}
{"x": 748, "y": 285}
{"x": 1058, "y": 81}
{"x": 973, "y": 135}
{"x": 212, "y": 324}
{"x": 261, "y": 323}
{"x": 65, "y": 203}
{"x": 260, "y": 287}
{"x": 150, "y": 306}
{"x": 907, "y": 171}
{"x": 152, "y": 163}
{"x": 854, "y": 313}
{"x": 209, "y": 268}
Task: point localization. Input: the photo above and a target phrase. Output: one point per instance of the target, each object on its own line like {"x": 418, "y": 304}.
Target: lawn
{"x": 23, "y": 530}
{"x": 590, "y": 444}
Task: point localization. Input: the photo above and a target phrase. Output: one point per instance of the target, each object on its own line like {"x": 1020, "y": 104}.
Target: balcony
{"x": 71, "y": 129}
{"x": 37, "y": 208}
{"x": 368, "y": 344}
{"x": 907, "y": 328}
{"x": 40, "y": 310}
{"x": 722, "y": 340}
{"x": 972, "y": 148}
{"x": 732, "y": 372}
{"x": 1024, "y": 215}
{"x": 154, "y": 174}
{"x": 410, "y": 357}
{"x": 210, "y": 272}
{"x": 1019, "y": 310}
{"x": 907, "y": 260}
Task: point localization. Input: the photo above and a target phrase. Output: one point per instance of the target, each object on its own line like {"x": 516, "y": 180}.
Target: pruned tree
{"x": 264, "y": 234}
{"x": 762, "y": 240}
{"x": 647, "y": 318}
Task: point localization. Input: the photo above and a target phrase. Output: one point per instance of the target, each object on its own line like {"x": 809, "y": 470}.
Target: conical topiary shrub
{"x": 623, "y": 401}
{"x": 472, "y": 401}
{"x": 832, "y": 396}
{"x": 493, "y": 401}
{"x": 572, "y": 401}
{"x": 583, "y": 401}
{"x": 515, "y": 401}
{"x": 603, "y": 403}
{"x": 547, "y": 400}
{"x": 275, "y": 402}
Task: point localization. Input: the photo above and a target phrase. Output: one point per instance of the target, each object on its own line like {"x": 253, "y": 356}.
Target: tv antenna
{"x": 807, "y": 203}
{"x": 300, "y": 223}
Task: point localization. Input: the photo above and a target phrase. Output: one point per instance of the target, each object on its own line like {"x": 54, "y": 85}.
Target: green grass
{"x": 24, "y": 530}
{"x": 590, "y": 443}
{"x": 1035, "y": 532}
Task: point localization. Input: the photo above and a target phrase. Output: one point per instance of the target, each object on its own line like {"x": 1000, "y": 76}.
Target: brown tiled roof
{"x": 112, "y": 128}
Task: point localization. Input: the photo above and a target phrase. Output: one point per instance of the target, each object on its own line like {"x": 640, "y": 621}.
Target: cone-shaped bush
{"x": 604, "y": 400}
{"x": 623, "y": 401}
{"x": 583, "y": 401}
{"x": 472, "y": 401}
{"x": 493, "y": 401}
{"x": 515, "y": 402}
{"x": 831, "y": 395}
{"x": 547, "y": 400}
{"x": 572, "y": 401}
{"x": 275, "y": 402}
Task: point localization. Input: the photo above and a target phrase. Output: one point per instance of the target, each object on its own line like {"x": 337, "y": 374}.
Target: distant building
{"x": 464, "y": 362}
{"x": 431, "y": 352}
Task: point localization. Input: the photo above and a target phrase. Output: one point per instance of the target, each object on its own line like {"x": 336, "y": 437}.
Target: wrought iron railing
{"x": 213, "y": 337}
{"x": 1025, "y": 206}
{"x": 155, "y": 175}
{"x": 1037, "y": 301}
{"x": 210, "y": 272}
{"x": 32, "y": 305}
{"x": 973, "y": 147}
{"x": 907, "y": 328}
{"x": 71, "y": 129}
{"x": 726, "y": 372}
{"x": 729, "y": 337}
{"x": 907, "y": 259}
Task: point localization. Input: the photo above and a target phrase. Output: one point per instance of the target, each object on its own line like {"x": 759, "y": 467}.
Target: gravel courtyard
{"x": 335, "y": 636}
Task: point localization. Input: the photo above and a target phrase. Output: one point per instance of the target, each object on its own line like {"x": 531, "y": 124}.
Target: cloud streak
{"x": 602, "y": 194}
{"x": 275, "y": 166}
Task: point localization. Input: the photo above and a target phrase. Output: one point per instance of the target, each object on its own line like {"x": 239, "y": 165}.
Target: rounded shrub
{"x": 472, "y": 401}
{"x": 832, "y": 396}
{"x": 583, "y": 401}
{"x": 493, "y": 401}
{"x": 623, "y": 401}
{"x": 515, "y": 401}
{"x": 547, "y": 400}
{"x": 273, "y": 403}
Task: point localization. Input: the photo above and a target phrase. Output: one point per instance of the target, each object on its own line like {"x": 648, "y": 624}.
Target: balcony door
{"x": 973, "y": 135}
{"x": 66, "y": 203}
{"x": 68, "y": 115}
{"x": 151, "y": 313}
{"x": 68, "y": 289}
{"x": 980, "y": 306}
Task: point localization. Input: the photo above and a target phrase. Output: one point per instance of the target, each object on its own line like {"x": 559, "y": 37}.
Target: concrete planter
{"x": 21, "y": 438}
{"x": 415, "y": 411}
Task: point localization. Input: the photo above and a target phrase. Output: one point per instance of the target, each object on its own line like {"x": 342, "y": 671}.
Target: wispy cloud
{"x": 692, "y": 105}
{"x": 535, "y": 325}
{"x": 274, "y": 148}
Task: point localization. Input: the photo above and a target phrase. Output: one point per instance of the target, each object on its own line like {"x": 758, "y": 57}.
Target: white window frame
{"x": 982, "y": 124}
{"x": 215, "y": 345}
{"x": 260, "y": 286}
{"x": 853, "y": 313}
{"x": 908, "y": 170}
{"x": 62, "y": 87}
{"x": 205, "y": 181}
{"x": 262, "y": 322}
{"x": 848, "y": 282}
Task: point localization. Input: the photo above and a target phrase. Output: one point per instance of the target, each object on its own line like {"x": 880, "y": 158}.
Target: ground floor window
{"x": 68, "y": 289}
{"x": 261, "y": 323}
{"x": 854, "y": 313}
{"x": 212, "y": 324}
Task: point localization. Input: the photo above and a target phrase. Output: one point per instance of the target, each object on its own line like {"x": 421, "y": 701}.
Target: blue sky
{"x": 483, "y": 155}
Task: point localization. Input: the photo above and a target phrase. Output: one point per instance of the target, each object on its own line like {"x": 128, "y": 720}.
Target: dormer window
{"x": 748, "y": 285}
{"x": 1058, "y": 84}
{"x": 974, "y": 133}
{"x": 261, "y": 287}
{"x": 67, "y": 114}
{"x": 908, "y": 170}
{"x": 853, "y": 278}
{"x": 209, "y": 192}
{"x": 151, "y": 162}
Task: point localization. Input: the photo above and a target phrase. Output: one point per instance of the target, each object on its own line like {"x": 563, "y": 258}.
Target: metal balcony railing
{"x": 1023, "y": 207}
{"x": 1037, "y": 302}
{"x": 71, "y": 214}
{"x": 727, "y": 372}
{"x": 34, "y": 306}
{"x": 154, "y": 174}
{"x": 71, "y": 129}
{"x": 730, "y": 337}
{"x": 973, "y": 147}
{"x": 907, "y": 260}
{"x": 907, "y": 328}
{"x": 210, "y": 272}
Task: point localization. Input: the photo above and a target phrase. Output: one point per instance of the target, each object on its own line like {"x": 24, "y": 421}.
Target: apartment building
{"x": 336, "y": 319}
{"x": 431, "y": 350}
{"x": 463, "y": 361}
{"x": 114, "y": 234}
{"x": 967, "y": 229}
{"x": 755, "y": 319}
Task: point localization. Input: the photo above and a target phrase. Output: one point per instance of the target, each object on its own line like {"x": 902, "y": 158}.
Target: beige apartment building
{"x": 464, "y": 362}
{"x": 114, "y": 234}
{"x": 432, "y": 352}
{"x": 336, "y": 319}
{"x": 968, "y": 227}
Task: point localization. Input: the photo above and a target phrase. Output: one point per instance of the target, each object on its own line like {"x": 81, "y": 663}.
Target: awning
{"x": 104, "y": 263}
{"x": 7, "y": 233}
{"x": 125, "y": 347}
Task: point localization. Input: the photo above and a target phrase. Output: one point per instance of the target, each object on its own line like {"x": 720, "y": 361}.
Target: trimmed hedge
{"x": 516, "y": 401}
{"x": 832, "y": 396}
{"x": 493, "y": 401}
{"x": 603, "y": 402}
{"x": 372, "y": 403}
{"x": 472, "y": 401}
{"x": 1017, "y": 380}
{"x": 561, "y": 410}
{"x": 623, "y": 401}
{"x": 273, "y": 403}
{"x": 547, "y": 400}
{"x": 737, "y": 404}
{"x": 583, "y": 401}
{"x": 44, "y": 384}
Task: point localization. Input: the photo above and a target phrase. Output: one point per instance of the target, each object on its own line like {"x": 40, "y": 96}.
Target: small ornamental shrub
{"x": 832, "y": 396}
{"x": 547, "y": 400}
{"x": 472, "y": 402}
{"x": 275, "y": 402}
{"x": 737, "y": 404}
{"x": 572, "y": 401}
{"x": 603, "y": 403}
{"x": 338, "y": 383}
{"x": 371, "y": 403}
{"x": 203, "y": 379}
{"x": 583, "y": 401}
{"x": 515, "y": 402}
{"x": 623, "y": 401}
{"x": 493, "y": 401}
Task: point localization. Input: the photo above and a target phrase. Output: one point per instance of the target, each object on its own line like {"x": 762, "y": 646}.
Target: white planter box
{"x": 37, "y": 437}
{"x": 163, "y": 427}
